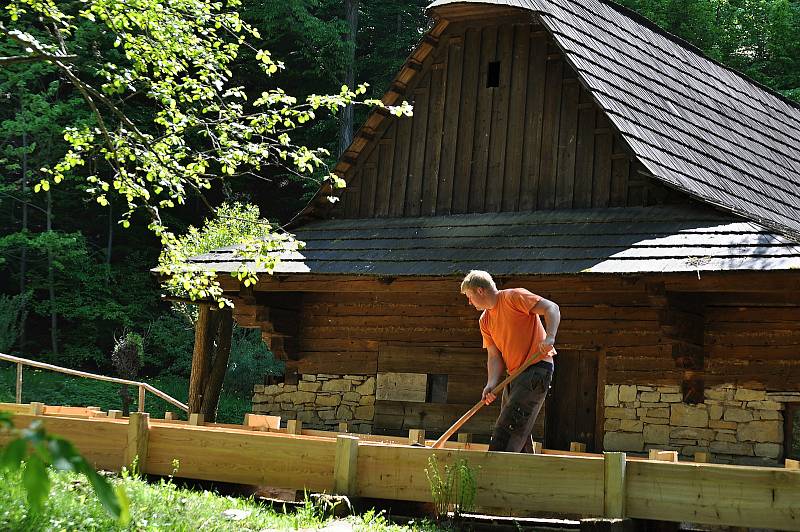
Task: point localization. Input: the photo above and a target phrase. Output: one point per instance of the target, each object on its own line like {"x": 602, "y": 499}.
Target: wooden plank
{"x": 466, "y": 126}
{"x": 243, "y": 457}
{"x": 715, "y": 495}
{"x": 369, "y": 179}
{"x": 257, "y": 421}
{"x": 546, "y": 193}
{"x": 462, "y": 389}
{"x": 338, "y": 362}
{"x": 453, "y": 83}
{"x": 345, "y": 468}
{"x": 402, "y": 387}
{"x": 433, "y": 417}
{"x": 483, "y": 123}
{"x": 534, "y": 124}
{"x": 400, "y": 159}
{"x": 567, "y": 143}
{"x": 614, "y": 485}
{"x": 501, "y": 96}
{"x": 384, "y": 179}
{"x": 574, "y": 484}
{"x": 416, "y": 163}
{"x": 584, "y": 161}
{"x": 601, "y": 179}
{"x": 443, "y": 360}
{"x": 516, "y": 117}
{"x": 619, "y": 175}
{"x": 433, "y": 142}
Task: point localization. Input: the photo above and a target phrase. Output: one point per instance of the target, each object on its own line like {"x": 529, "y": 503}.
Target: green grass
{"x": 162, "y": 506}
{"x": 53, "y": 388}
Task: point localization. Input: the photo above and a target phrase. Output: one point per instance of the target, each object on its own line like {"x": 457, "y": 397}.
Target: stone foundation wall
{"x": 321, "y": 401}
{"x": 735, "y": 425}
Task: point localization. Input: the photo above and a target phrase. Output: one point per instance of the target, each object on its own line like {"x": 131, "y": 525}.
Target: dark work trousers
{"x": 522, "y": 400}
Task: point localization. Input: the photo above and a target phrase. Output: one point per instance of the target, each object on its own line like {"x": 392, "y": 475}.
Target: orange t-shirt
{"x": 512, "y": 328}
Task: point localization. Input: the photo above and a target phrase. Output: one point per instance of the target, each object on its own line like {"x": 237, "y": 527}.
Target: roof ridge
{"x": 644, "y": 21}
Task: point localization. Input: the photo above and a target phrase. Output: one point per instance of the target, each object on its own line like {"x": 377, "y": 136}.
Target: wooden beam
{"x": 196, "y": 419}
{"x": 577, "y": 447}
{"x": 794, "y": 465}
{"x": 345, "y": 467}
{"x": 416, "y": 436}
{"x": 262, "y": 422}
{"x": 294, "y": 426}
{"x": 136, "y": 450}
{"x": 614, "y": 485}
{"x": 114, "y": 414}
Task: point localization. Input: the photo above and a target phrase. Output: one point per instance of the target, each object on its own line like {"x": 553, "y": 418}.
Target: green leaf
{"x": 36, "y": 482}
{"x": 13, "y": 453}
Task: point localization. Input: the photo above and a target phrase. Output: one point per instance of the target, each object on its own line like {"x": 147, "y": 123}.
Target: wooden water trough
{"x": 259, "y": 452}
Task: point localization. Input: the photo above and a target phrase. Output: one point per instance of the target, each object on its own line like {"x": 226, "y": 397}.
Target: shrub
{"x": 12, "y": 315}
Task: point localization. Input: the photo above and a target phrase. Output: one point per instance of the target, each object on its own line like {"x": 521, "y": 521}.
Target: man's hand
{"x": 547, "y": 344}
{"x": 487, "y": 394}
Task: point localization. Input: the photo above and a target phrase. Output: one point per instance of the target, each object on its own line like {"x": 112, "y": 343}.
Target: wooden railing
{"x": 610, "y": 485}
{"x": 142, "y": 386}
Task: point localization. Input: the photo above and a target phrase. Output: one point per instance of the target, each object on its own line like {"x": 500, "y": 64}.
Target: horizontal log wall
{"x": 535, "y": 141}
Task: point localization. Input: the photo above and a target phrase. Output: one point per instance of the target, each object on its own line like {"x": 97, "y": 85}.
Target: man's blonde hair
{"x": 478, "y": 279}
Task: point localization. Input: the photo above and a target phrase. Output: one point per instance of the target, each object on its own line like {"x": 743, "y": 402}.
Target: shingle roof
{"x": 695, "y": 124}
{"x": 620, "y": 240}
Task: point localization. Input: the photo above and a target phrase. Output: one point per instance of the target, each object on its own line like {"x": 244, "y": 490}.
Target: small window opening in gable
{"x": 493, "y": 74}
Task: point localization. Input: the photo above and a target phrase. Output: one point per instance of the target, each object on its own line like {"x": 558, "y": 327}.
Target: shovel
{"x": 480, "y": 404}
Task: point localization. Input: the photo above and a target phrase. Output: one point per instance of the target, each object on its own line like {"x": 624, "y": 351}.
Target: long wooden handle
{"x": 480, "y": 404}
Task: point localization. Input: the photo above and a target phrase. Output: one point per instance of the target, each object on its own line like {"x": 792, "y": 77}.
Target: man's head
{"x": 480, "y": 289}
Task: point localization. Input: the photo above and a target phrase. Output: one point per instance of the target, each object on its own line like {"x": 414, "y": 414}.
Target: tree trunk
{"x": 51, "y": 281}
{"x": 23, "y": 259}
{"x": 204, "y": 330}
{"x": 346, "y": 120}
{"x": 110, "y": 240}
{"x": 219, "y": 366}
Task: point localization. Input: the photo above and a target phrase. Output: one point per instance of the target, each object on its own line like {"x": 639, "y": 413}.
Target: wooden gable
{"x": 501, "y": 123}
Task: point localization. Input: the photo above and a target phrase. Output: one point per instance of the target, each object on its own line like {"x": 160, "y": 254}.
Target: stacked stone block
{"x": 321, "y": 401}
{"x": 735, "y": 425}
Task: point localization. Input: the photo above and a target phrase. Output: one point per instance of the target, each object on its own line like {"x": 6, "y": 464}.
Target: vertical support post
{"x": 652, "y": 454}
{"x": 200, "y": 356}
{"x": 19, "y": 383}
{"x": 614, "y": 485}
{"x": 294, "y": 426}
{"x": 702, "y": 457}
{"x": 169, "y": 416}
{"x": 115, "y": 414}
{"x": 577, "y": 447}
{"x": 464, "y": 437}
{"x": 537, "y": 447}
{"x": 416, "y": 436}
{"x": 792, "y": 464}
{"x": 138, "y": 428}
{"x": 37, "y": 409}
{"x": 343, "y": 426}
{"x": 196, "y": 419}
{"x": 345, "y": 466}
{"x": 141, "y": 398}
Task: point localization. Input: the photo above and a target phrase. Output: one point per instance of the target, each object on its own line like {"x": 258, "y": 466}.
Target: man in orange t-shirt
{"x": 512, "y": 331}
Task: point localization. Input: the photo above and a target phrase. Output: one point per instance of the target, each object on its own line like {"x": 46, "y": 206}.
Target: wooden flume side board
{"x": 568, "y": 483}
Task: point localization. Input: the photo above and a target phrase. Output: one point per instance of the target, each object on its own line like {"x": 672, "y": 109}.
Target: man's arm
{"x": 552, "y": 318}
{"x": 494, "y": 368}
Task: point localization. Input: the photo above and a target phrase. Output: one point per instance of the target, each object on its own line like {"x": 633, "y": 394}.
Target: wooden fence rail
{"x": 609, "y": 485}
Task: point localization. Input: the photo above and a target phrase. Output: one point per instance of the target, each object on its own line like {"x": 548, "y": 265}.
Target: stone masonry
{"x": 734, "y": 425}
{"x": 321, "y": 401}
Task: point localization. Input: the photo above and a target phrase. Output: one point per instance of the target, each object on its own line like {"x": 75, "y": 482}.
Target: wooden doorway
{"x": 571, "y": 407}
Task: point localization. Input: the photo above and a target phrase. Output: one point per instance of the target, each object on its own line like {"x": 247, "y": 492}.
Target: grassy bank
{"x": 163, "y": 506}
{"x": 57, "y": 389}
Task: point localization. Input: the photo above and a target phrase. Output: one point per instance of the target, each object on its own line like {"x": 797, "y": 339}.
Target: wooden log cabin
{"x": 573, "y": 148}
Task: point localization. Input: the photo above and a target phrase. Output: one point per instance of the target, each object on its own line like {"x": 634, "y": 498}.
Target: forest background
{"x": 74, "y": 281}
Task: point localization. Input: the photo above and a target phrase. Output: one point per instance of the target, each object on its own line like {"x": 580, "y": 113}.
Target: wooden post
{"x": 37, "y": 409}
{"x": 169, "y": 416}
{"x": 202, "y": 343}
{"x": 614, "y": 485}
{"x": 196, "y": 419}
{"x": 345, "y": 466}
{"x": 652, "y": 454}
{"x": 138, "y": 426}
{"x": 577, "y": 447}
{"x": 464, "y": 437}
{"x": 702, "y": 458}
{"x": 294, "y": 426}
{"x": 792, "y": 464}
{"x": 115, "y": 414}
{"x": 141, "y": 398}
{"x": 664, "y": 456}
{"x": 19, "y": 383}
{"x": 343, "y": 426}
{"x": 537, "y": 447}
{"x": 416, "y": 436}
